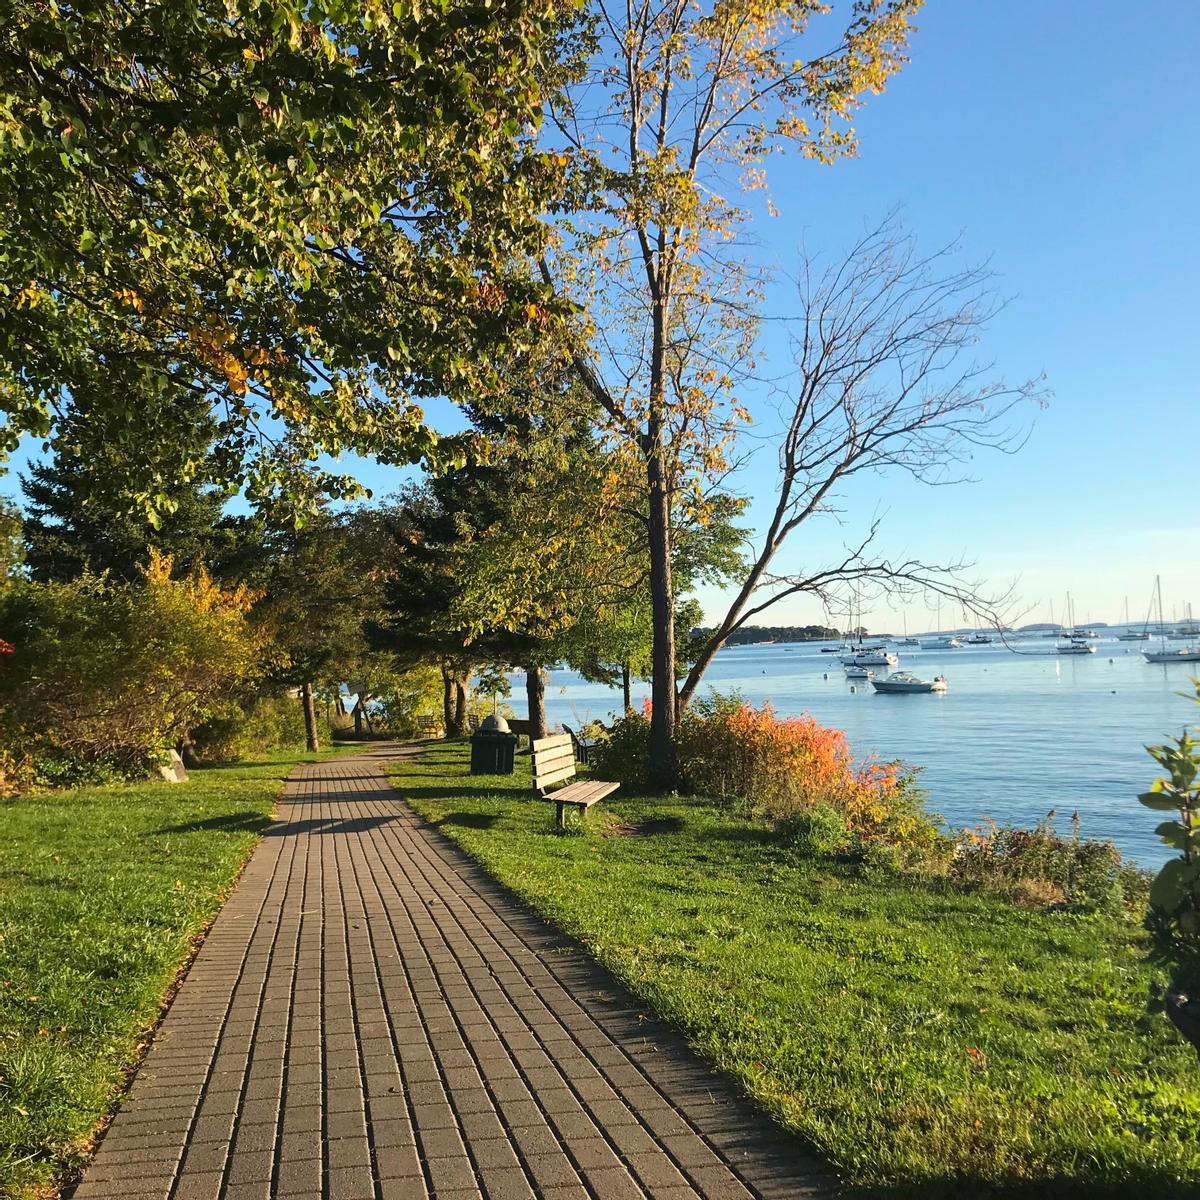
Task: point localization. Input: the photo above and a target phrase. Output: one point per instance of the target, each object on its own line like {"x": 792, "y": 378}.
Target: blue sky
{"x": 1059, "y": 140}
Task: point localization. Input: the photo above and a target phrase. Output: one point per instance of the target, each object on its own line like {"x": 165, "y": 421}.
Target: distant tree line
{"x": 749, "y": 635}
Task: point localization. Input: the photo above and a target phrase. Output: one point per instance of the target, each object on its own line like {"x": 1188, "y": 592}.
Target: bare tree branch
{"x": 883, "y": 380}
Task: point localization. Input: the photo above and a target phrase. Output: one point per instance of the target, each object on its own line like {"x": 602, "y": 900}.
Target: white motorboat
{"x": 1075, "y": 644}
{"x": 904, "y": 682}
{"x": 979, "y": 639}
{"x": 1188, "y": 653}
{"x": 872, "y": 658}
{"x": 856, "y": 671}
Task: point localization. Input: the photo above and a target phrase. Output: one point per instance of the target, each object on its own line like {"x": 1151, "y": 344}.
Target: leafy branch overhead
{"x": 295, "y": 220}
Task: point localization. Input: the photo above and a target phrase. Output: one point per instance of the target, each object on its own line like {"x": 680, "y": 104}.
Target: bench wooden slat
{"x": 586, "y": 791}
{"x": 547, "y": 759}
{"x": 553, "y": 775}
{"x": 554, "y": 739}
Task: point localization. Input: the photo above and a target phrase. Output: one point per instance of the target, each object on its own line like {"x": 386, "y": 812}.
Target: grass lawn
{"x": 928, "y": 1042}
{"x": 102, "y": 892}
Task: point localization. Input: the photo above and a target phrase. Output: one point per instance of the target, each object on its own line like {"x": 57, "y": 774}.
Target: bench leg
{"x": 562, "y": 815}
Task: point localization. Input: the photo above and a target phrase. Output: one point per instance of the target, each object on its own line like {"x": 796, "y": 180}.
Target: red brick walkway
{"x": 372, "y": 1017}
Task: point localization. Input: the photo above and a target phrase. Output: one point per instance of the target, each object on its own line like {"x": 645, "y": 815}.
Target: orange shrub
{"x": 779, "y": 767}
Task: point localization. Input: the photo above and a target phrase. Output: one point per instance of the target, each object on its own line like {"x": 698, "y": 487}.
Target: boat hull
{"x": 1170, "y": 656}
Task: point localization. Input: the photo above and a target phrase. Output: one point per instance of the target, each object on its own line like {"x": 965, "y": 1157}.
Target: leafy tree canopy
{"x": 299, "y": 218}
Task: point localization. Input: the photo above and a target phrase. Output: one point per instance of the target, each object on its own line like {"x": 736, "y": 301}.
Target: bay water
{"x": 1021, "y": 730}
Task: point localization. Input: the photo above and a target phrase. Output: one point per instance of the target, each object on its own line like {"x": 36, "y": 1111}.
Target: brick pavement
{"x": 371, "y": 1017}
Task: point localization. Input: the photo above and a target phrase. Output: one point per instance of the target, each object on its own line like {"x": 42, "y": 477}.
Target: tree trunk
{"x": 187, "y": 751}
{"x": 664, "y": 767}
{"x": 310, "y": 717}
{"x": 460, "y": 707}
{"x": 535, "y": 693}
{"x": 358, "y": 718}
{"x": 447, "y": 703}
{"x": 626, "y": 688}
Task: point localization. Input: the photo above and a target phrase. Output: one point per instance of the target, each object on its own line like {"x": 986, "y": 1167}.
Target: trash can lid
{"x": 494, "y": 725}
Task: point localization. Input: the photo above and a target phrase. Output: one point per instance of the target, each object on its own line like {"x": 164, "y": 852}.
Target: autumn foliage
{"x": 776, "y": 768}
{"x": 779, "y": 766}
{"x": 110, "y": 674}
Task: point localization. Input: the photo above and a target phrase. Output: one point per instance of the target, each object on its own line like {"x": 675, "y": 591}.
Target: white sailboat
{"x": 1132, "y": 635}
{"x": 1188, "y": 653}
{"x": 1073, "y": 641}
{"x": 863, "y": 655}
{"x": 1186, "y": 630}
{"x": 942, "y": 642}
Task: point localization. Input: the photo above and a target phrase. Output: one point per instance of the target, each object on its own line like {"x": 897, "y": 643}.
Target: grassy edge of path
{"x": 927, "y": 1041}
{"x": 105, "y": 894}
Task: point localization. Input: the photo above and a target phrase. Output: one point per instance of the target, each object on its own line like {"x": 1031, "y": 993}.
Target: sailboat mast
{"x": 1162, "y": 631}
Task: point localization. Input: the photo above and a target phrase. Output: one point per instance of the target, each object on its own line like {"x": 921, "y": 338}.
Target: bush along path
{"x": 371, "y": 1016}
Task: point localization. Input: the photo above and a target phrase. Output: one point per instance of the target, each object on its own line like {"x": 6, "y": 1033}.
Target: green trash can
{"x": 493, "y": 748}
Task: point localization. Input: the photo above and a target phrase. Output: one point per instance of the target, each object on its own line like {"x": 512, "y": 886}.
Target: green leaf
{"x": 1159, "y": 801}
{"x": 87, "y": 239}
{"x": 1168, "y": 888}
{"x": 1173, "y": 833}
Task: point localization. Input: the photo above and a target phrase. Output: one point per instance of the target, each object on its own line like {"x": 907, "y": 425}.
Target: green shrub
{"x": 408, "y": 696}
{"x": 104, "y": 676}
{"x": 251, "y": 728}
{"x": 1039, "y": 865}
{"x": 622, "y": 754}
{"x": 1173, "y": 918}
{"x": 818, "y": 832}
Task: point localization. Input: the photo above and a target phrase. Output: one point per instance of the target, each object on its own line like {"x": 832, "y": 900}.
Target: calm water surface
{"x": 1016, "y": 735}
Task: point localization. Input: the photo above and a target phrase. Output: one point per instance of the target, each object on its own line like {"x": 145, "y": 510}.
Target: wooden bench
{"x": 583, "y": 746}
{"x": 554, "y": 761}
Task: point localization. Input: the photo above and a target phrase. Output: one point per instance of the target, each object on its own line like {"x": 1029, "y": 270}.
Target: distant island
{"x": 750, "y": 635}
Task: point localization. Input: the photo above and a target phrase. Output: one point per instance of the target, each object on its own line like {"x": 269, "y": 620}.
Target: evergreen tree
{"x": 66, "y": 535}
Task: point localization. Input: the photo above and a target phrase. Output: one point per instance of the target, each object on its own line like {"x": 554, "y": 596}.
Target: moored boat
{"x": 1189, "y": 653}
{"x": 905, "y": 682}
{"x": 872, "y": 658}
{"x": 1183, "y": 654}
{"x": 1075, "y": 644}
{"x": 857, "y": 671}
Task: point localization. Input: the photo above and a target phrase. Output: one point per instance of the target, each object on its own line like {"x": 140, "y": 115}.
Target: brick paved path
{"x": 371, "y": 1017}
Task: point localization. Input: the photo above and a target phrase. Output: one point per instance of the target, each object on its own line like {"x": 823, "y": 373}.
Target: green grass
{"x": 928, "y": 1042}
{"x": 102, "y": 893}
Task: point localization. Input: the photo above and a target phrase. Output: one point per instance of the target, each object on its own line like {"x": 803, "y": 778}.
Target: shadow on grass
{"x": 651, "y": 827}
{"x": 745, "y": 835}
{"x": 238, "y": 822}
{"x": 466, "y": 820}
